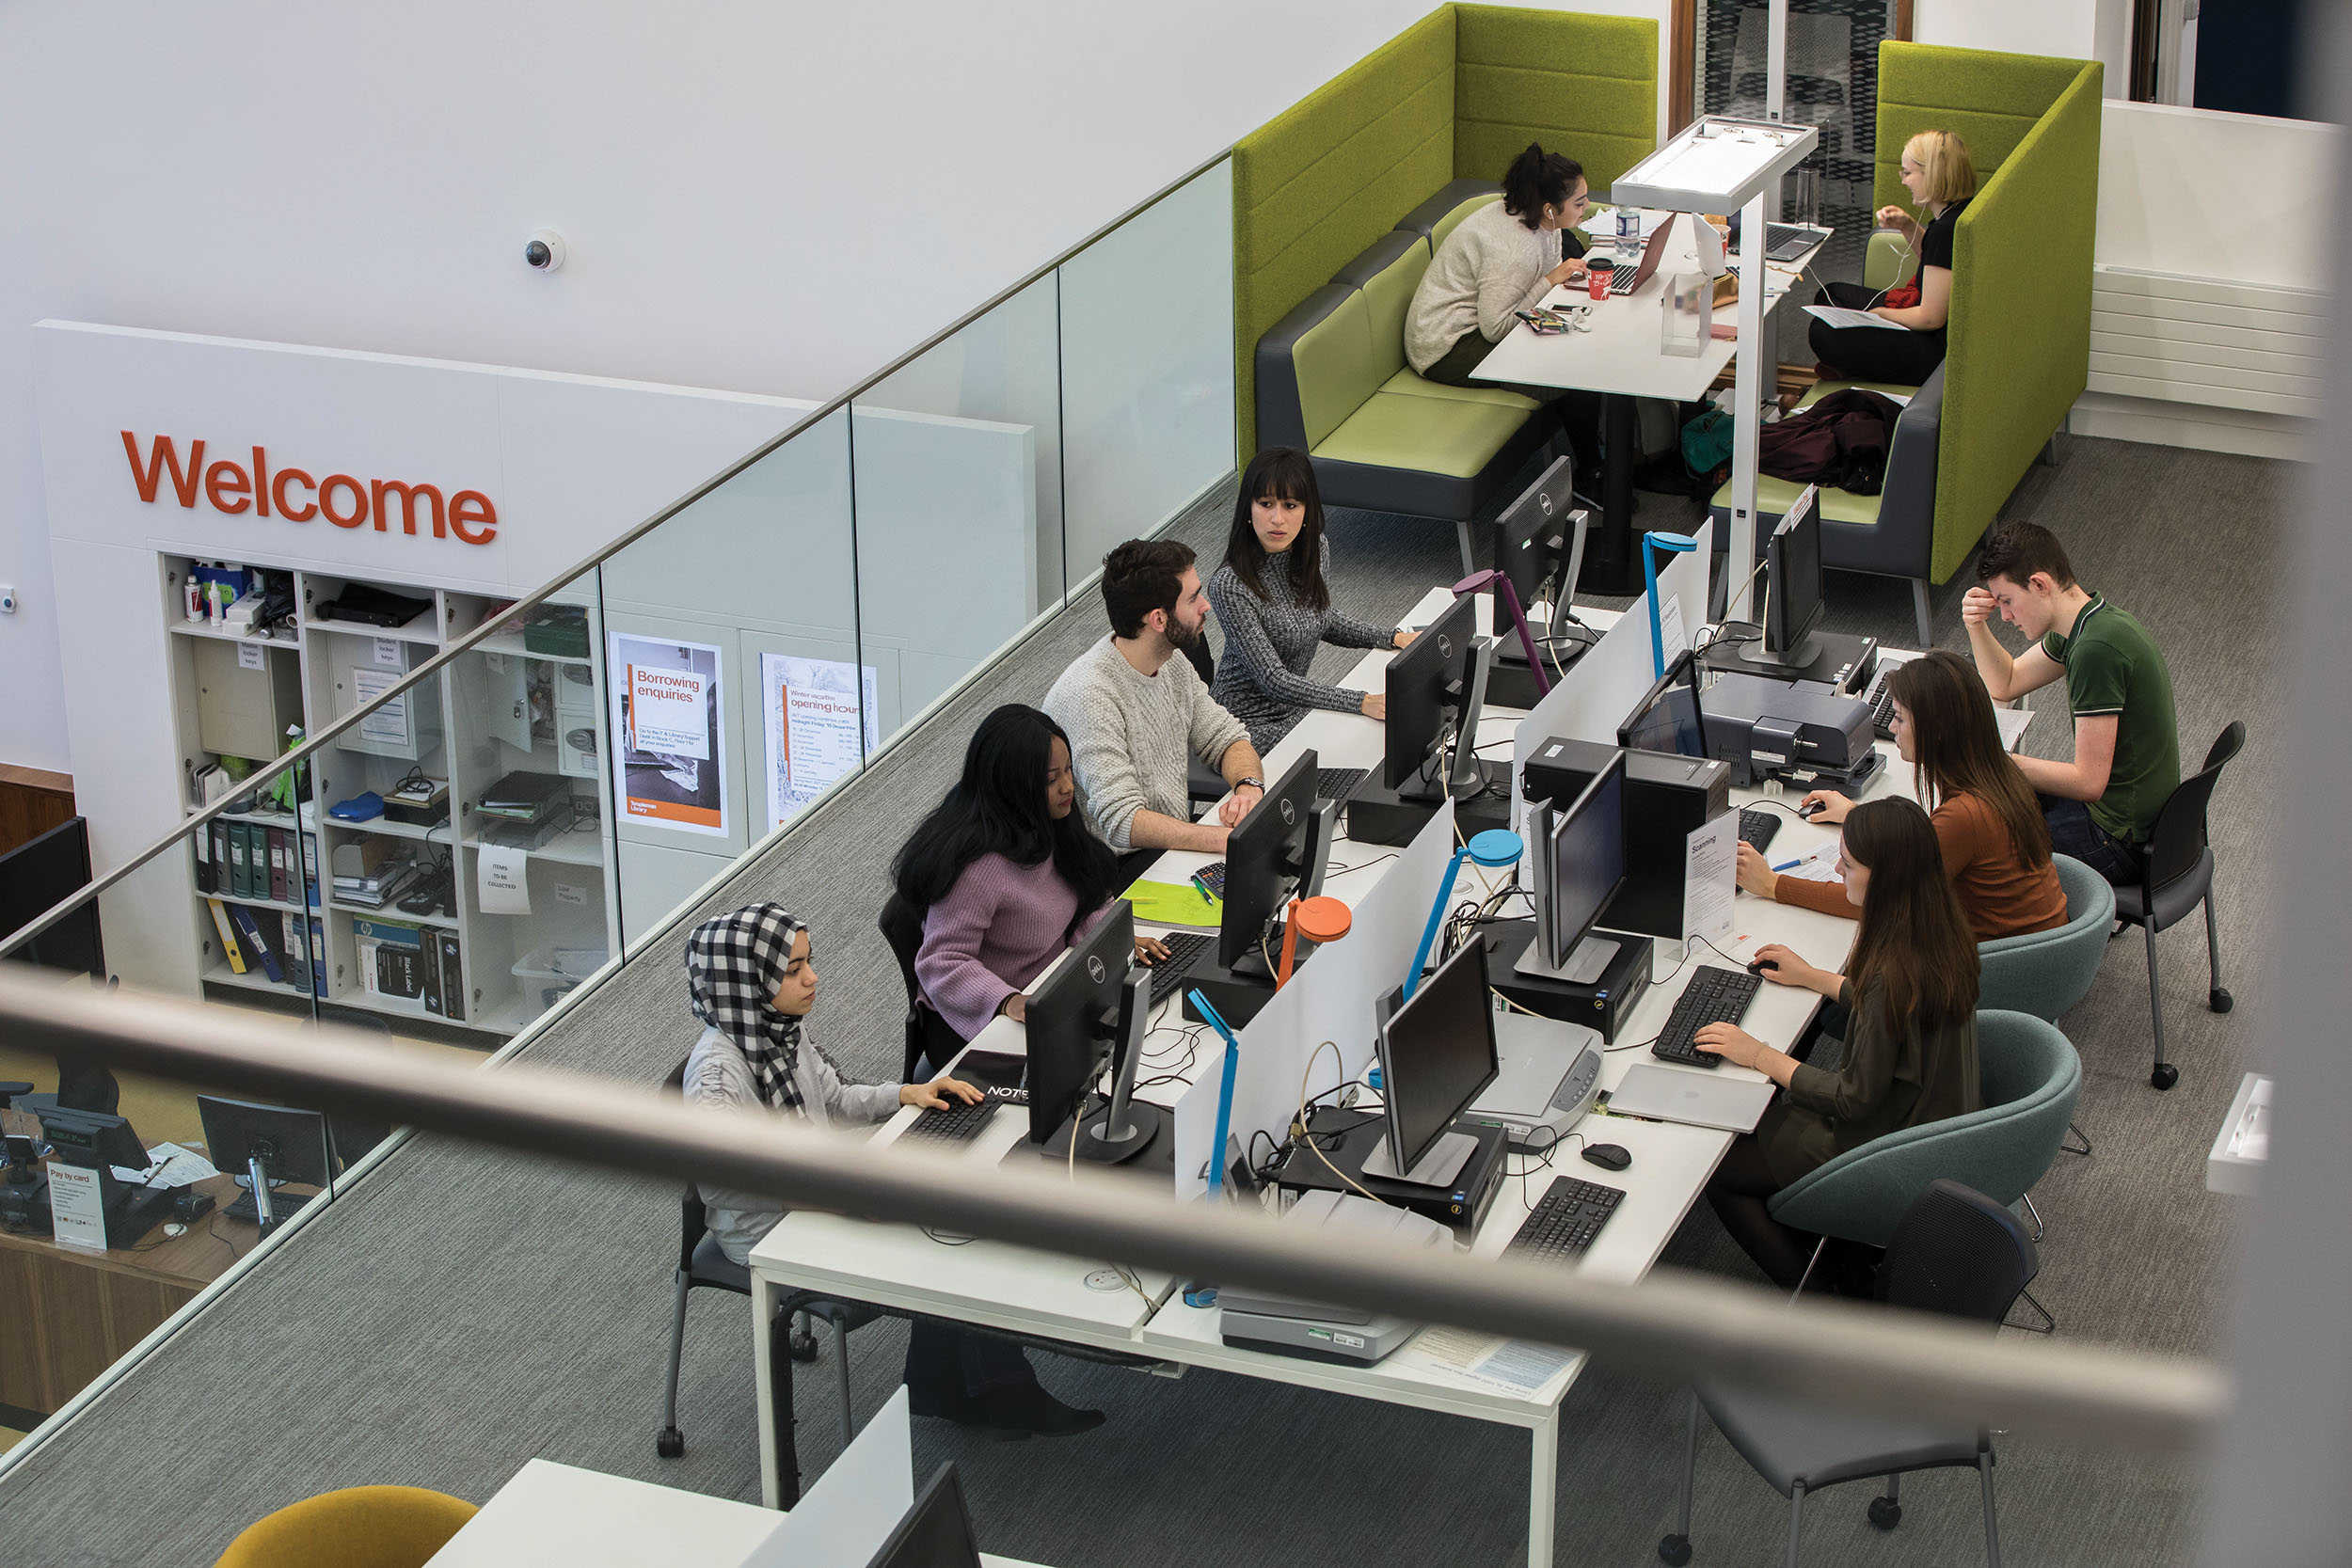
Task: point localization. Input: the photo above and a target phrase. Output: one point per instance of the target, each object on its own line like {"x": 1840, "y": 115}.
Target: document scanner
{"x": 1321, "y": 1331}
{"x": 1771, "y": 729}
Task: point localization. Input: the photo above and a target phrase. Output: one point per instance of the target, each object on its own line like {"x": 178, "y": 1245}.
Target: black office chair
{"x": 932, "y": 1043}
{"x": 2178, "y": 878}
{"x": 1956, "y": 1252}
{"x": 1204, "y": 785}
{"x": 702, "y": 1265}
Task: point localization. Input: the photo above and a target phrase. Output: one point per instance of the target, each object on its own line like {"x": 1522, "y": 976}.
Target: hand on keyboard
{"x": 940, "y": 1094}
{"x": 1729, "y": 1041}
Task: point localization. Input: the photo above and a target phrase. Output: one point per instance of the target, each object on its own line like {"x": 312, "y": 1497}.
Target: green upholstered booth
{"x": 1455, "y": 96}
{"x": 2019, "y": 340}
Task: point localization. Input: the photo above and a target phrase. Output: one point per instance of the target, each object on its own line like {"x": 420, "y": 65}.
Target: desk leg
{"x": 763, "y": 1357}
{"x": 1612, "y": 562}
{"x": 1543, "y": 1482}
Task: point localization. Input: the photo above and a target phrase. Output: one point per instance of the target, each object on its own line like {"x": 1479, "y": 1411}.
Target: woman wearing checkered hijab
{"x": 751, "y": 980}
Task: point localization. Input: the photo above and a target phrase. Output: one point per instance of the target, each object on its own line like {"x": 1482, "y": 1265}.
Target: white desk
{"x": 550, "y": 1512}
{"x": 1621, "y": 357}
{"x": 1082, "y": 1301}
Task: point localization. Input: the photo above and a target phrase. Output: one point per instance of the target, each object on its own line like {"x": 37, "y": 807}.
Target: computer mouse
{"x": 1608, "y": 1156}
{"x": 1813, "y": 810}
{"x": 1760, "y": 965}
{"x": 175, "y": 1228}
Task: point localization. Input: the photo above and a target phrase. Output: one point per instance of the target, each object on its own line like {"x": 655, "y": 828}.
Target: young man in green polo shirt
{"x": 2127, "y": 757}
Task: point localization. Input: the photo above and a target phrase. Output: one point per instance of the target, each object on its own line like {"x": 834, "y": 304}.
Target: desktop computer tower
{"x": 1602, "y": 1006}
{"x": 1668, "y": 798}
{"x": 1347, "y": 1139}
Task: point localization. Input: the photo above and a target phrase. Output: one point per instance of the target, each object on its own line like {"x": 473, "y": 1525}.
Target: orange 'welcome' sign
{"x": 234, "y": 489}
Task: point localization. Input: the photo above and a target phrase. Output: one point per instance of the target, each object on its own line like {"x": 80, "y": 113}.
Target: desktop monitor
{"x": 1793, "y": 606}
{"x": 935, "y": 1532}
{"x": 1581, "y": 865}
{"x": 1437, "y": 1056}
{"x": 1668, "y": 718}
{"x": 1539, "y": 539}
{"x": 1091, "y": 1008}
{"x": 34, "y": 877}
{"x": 282, "y": 1143}
{"x": 92, "y": 1139}
{"x": 1282, "y": 846}
{"x": 1432, "y": 677}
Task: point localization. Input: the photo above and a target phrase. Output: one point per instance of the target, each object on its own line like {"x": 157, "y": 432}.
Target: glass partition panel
{"x": 959, "y": 513}
{"x": 731, "y": 685}
{"x": 1147, "y": 334}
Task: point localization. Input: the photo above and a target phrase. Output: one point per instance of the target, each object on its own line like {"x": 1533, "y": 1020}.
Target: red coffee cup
{"x": 1597, "y": 275}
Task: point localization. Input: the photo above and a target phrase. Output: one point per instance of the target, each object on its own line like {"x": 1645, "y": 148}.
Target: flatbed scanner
{"x": 1778, "y": 729}
{"x": 1322, "y": 1331}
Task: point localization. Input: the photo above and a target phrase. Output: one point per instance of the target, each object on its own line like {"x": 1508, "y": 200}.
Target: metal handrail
{"x": 512, "y": 617}
{"x": 1675, "y": 1327}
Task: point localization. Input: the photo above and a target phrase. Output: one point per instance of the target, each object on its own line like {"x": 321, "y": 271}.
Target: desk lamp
{"x": 1494, "y": 849}
{"x": 1652, "y": 544}
{"x": 1509, "y": 595}
{"x": 1326, "y": 920}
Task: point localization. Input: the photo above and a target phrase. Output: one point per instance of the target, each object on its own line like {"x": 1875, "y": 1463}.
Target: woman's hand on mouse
{"x": 936, "y": 1095}
{"x": 1731, "y": 1042}
{"x": 1783, "y": 967}
{"x": 1829, "y": 808}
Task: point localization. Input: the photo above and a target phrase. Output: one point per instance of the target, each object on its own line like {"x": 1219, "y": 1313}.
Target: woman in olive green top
{"x": 1909, "y": 996}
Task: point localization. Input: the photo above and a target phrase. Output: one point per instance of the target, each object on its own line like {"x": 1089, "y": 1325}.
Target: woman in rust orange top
{"x": 1996, "y": 845}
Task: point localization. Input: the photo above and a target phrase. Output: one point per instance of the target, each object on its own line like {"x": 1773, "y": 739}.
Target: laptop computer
{"x": 1693, "y": 1099}
{"x": 1623, "y": 283}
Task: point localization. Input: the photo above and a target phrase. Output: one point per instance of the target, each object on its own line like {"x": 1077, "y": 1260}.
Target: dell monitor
{"x": 1579, "y": 865}
{"x": 935, "y": 1532}
{"x": 1539, "y": 541}
{"x": 1437, "y": 1056}
{"x": 1668, "y": 718}
{"x": 1444, "y": 673}
{"x": 1794, "y": 602}
{"x": 1091, "y": 1008}
{"x": 1281, "y": 847}
{"x": 264, "y": 1147}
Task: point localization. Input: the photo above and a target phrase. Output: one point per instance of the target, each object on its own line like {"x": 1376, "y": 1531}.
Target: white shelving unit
{"x": 499, "y": 709}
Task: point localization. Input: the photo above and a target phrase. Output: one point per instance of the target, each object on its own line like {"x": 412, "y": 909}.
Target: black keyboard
{"x": 1564, "y": 1220}
{"x": 1212, "y": 876}
{"x": 281, "y": 1206}
{"x": 1757, "y": 828}
{"x": 1185, "y": 950}
{"x": 1881, "y": 703}
{"x": 958, "y": 1124}
{"x": 1714, "y": 995}
{"x": 1338, "y": 784}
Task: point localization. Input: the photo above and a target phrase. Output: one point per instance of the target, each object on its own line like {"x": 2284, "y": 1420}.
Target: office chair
{"x": 357, "y": 1527}
{"x": 2046, "y": 972}
{"x": 930, "y": 1041}
{"x": 1956, "y": 1252}
{"x": 1204, "y": 785}
{"x": 702, "y": 1264}
{"x": 2178, "y": 877}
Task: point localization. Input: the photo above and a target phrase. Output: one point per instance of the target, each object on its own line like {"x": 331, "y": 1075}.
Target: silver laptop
{"x": 1693, "y": 1099}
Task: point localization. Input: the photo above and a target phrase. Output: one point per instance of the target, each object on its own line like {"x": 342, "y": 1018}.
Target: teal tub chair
{"x": 2045, "y": 973}
{"x": 2031, "y": 1077}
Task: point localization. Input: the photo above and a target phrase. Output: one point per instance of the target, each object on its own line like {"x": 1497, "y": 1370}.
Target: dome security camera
{"x": 544, "y": 250}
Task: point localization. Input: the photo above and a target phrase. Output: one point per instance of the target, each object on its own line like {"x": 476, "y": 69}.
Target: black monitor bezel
{"x": 1392, "y": 1121}
{"x": 1684, "y": 668}
{"x": 224, "y": 1119}
{"x": 1260, "y": 856}
{"x": 1781, "y": 636}
{"x": 1523, "y": 522}
{"x": 1564, "y": 941}
{"x": 1415, "y": 683}
{"x": 101, "y": 1139}
{"x": 1067, "y": 994}
{"x": 945, "y": 1483}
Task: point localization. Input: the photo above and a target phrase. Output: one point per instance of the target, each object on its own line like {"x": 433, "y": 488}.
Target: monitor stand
{"x": 1588, "y": 963}
{"x": 1378, "y": 814}
{"x": 1437, "y": 1167}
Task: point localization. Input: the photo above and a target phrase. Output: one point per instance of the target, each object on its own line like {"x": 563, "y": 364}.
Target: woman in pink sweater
{"x": 1007, "y": 873}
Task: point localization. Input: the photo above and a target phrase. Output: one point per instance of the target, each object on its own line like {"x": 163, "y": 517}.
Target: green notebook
{"x": 1175, "y": 904}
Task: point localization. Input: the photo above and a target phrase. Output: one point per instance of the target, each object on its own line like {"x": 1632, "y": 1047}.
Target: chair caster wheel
{"x": 2164, "y": 1075}
{"x": 1675, "y": 1551}
{"x": 1885, "y": 1513}
{"x": 2220, "y": 1001}
{"x": 803, "y": 1346}
{"x": 671, "y": 1444}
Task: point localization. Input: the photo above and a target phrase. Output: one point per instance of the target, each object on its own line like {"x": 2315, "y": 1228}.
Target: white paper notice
{"x": 1837, "y": 315}
{"x": 1820, "y": 866}
{"x": 502, "y": 880}
{"x": 1512, "y": 1363}
{"x": 172, "y": 1166}
{"x": 250, "y": 657}
{"x": 821, "y": 718}
{"x": 1710, "y": 862}
{"x": 387, "y": 725}
{"x": 77, "y": 1208}
{"x": 1672, "y": 636}
{"x": 387, "y": 652}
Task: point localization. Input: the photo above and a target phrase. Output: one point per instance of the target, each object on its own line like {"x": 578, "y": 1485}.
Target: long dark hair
{"x": 1957, "y": 747}
{"x": 1914, "y": 939}
{"x": 1285, "y": 474}
{"x": 1537, "y": 179}
{"x": 998, "y": 807}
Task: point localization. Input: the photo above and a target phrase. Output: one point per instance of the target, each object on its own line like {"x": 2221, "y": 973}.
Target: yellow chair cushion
{"x": 1448, "y": 436}
{"x": 360, "y": 1527}
{"x": 1407, "y": 384}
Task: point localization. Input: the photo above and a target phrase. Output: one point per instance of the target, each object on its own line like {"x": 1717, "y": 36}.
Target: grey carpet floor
{"x": 462, "y": 1311}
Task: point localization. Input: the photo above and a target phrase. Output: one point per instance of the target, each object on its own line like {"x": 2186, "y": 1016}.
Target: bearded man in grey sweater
{"x": 1135, "y": 711}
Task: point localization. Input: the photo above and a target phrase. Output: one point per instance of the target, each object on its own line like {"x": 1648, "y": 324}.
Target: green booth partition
{"x": 1448, "y": 101}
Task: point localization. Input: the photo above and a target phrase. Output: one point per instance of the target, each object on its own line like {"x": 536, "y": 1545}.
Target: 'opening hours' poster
{"x": 819, "y": 725}
{"x": 671, "y": 716}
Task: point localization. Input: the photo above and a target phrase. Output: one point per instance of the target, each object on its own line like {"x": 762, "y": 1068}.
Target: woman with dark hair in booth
{"x": 1006, "y": 873}
{"x": 1275, "y": 609}
{"x": 1908, "y": 998}
{"x": 1996, "y": 846}
{"x": 1501, "y": 259}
